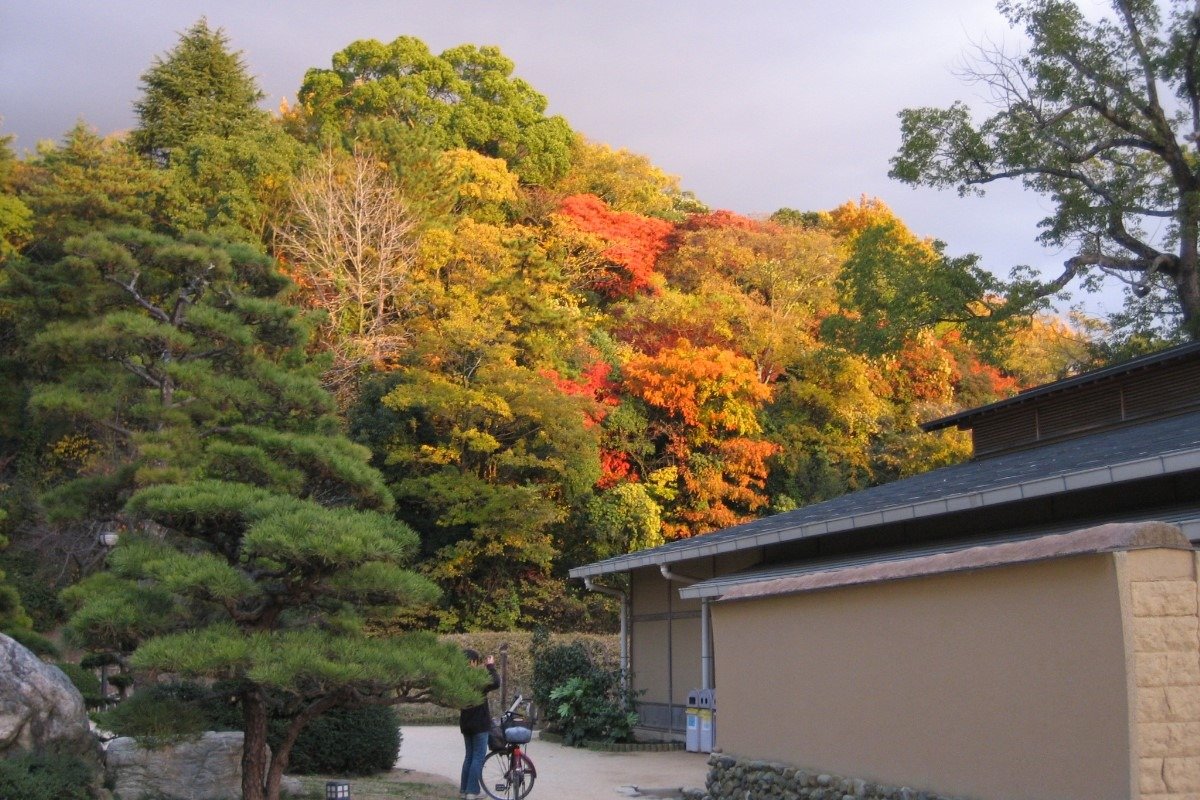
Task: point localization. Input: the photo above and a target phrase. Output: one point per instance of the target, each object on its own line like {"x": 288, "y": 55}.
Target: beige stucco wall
{"x": 999, "y": 683}
{"x": 1160, "y": 597}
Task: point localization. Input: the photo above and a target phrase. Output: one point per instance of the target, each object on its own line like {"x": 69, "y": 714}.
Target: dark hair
{"x": 472, "y": 655}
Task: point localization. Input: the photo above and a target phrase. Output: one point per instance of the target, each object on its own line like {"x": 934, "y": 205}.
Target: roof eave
{"x": 991, "y": 496}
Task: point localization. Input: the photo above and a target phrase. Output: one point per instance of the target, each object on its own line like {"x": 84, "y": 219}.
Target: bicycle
{"x": 508, "y": 774}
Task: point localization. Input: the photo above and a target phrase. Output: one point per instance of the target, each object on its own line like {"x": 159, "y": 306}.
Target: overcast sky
{"x": 755, "y": 105}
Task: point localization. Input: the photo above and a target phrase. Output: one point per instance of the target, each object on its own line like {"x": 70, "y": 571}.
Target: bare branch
{"x": 351, "y": 245}
{"x": 131, "y": 289}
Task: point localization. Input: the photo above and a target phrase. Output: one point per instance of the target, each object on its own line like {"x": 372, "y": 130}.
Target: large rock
{"x": 40, "y": 709}
{"x": 207, "y": 768}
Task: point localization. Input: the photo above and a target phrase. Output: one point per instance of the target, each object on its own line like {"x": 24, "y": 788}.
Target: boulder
{"x": 206, "y": 768}
{"x": 40, "y": 709}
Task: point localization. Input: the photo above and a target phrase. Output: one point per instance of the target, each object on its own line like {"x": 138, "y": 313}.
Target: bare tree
{"x": 350, "y": 242}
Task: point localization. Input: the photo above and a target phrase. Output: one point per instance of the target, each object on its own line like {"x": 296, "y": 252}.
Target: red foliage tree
{"x": 633, "y": 243}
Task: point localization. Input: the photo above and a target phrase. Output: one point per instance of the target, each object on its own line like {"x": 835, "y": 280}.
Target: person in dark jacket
{"x": 475, "y": 722}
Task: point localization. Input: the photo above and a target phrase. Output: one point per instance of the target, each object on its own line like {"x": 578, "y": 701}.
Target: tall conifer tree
{"x": 198, "y": 88}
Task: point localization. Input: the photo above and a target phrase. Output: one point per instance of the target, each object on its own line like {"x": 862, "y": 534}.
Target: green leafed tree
{"x": 200, "y": 87}
{"x": 465, "y": 97}
{"x": 894, "y": 285}
{"x": 486, "y": 469}
{"x": 229, "y": 164}
{"x": 15, "y": 216}
{"x": 257, "y": 546}
{"x": 1102, "y": 116}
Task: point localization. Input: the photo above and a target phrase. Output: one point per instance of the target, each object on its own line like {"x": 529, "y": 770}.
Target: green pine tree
{"x": 256, "y": 543}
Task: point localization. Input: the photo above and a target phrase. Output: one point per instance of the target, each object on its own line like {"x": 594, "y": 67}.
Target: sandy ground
{"x": 563, "y": 773}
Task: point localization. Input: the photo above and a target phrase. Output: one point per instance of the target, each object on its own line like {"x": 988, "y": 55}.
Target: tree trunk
{"x": 1187, "y": 278}
{"x": 282, "y": 754}
{"x": 254, "y": 746}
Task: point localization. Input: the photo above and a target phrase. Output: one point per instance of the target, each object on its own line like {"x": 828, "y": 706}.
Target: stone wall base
{"x": 737, "y": 779}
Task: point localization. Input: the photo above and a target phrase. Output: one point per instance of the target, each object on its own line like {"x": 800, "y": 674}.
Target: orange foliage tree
{"x": 703, "y": 405}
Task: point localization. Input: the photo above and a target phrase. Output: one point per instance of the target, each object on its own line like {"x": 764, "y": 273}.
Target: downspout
{"x": 705, "y": 645}
{"x": 595, "y": 587}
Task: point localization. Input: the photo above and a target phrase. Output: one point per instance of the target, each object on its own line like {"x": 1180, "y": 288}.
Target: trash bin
{"x": 706, "y": 711}
{"x": 693, "y": 721}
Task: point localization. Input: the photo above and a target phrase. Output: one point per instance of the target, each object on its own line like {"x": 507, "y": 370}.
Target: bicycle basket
{"x": 518, "y": 735}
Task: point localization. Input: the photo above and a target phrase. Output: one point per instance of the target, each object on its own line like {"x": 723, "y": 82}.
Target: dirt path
{"x": 563, "y": 772}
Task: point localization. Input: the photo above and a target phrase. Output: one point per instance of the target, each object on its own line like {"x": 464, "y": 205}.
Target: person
{"x": 475, "y": 722}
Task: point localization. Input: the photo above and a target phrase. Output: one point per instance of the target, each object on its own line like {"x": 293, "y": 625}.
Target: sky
{"x": 754, "y": 105}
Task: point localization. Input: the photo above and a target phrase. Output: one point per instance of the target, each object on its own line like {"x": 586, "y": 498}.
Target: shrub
{"x": 582, "y": 699}
{"x": 589, "y": 708}
{"x": 554, "y": 665}
{"x": 348, "y": 741}
{"x": 162, "y": 714}
{"x": 85, "y": 681}
{"x": 46, "y": 777}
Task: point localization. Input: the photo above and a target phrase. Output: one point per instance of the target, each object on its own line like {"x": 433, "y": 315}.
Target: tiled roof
{"x": 1160, "y": 447}
{"x": 1183, "y": 351}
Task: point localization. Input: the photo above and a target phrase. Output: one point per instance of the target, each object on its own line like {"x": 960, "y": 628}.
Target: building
{"x": 1020, "y": 625}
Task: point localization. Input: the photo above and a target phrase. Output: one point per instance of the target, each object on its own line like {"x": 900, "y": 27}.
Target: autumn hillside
{"x": 541, "y": 350}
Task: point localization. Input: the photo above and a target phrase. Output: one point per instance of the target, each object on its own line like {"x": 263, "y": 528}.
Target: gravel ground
{"x": 564, "y": 773}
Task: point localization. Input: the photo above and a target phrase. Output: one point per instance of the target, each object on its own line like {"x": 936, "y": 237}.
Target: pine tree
{"x": 256, "y": 544}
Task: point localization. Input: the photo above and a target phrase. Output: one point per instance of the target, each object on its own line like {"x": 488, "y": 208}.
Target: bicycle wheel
{"x": 523, "y": 777}
{"x": 505, "y": 780}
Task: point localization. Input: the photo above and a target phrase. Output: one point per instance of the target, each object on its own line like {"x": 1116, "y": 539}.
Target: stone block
{"x": 1150, "y": 776}
{"x": 1183, "y": 703}
{"x": 1152, "y": 705}
{"x": 1161, "y": 564}
{"x": 1151, "y": 669}
{"x": 1169, "y": 739}
{"x": 1182, "y": 774}
{"x": 206, "y": 768}
{"x": 1184, "y": 668}
{"x": 1166, "y": 635}
{"x": 1164, "y": 598}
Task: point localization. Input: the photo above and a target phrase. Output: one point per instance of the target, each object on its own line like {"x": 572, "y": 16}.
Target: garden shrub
{"x": 589, "y": 708}
{"x": 348, "y": 741}
{"x": 46, "y": 777}
{"x": 582, "y": 700}
{"x": 554, "y": 665}
{"x": 162, "y": 714}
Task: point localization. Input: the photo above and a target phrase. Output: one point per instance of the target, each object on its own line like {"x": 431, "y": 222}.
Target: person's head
{"x": 472, "y": 656}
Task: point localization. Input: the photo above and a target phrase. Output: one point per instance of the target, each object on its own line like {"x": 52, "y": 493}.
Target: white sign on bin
{"x": 692, "y": 742}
